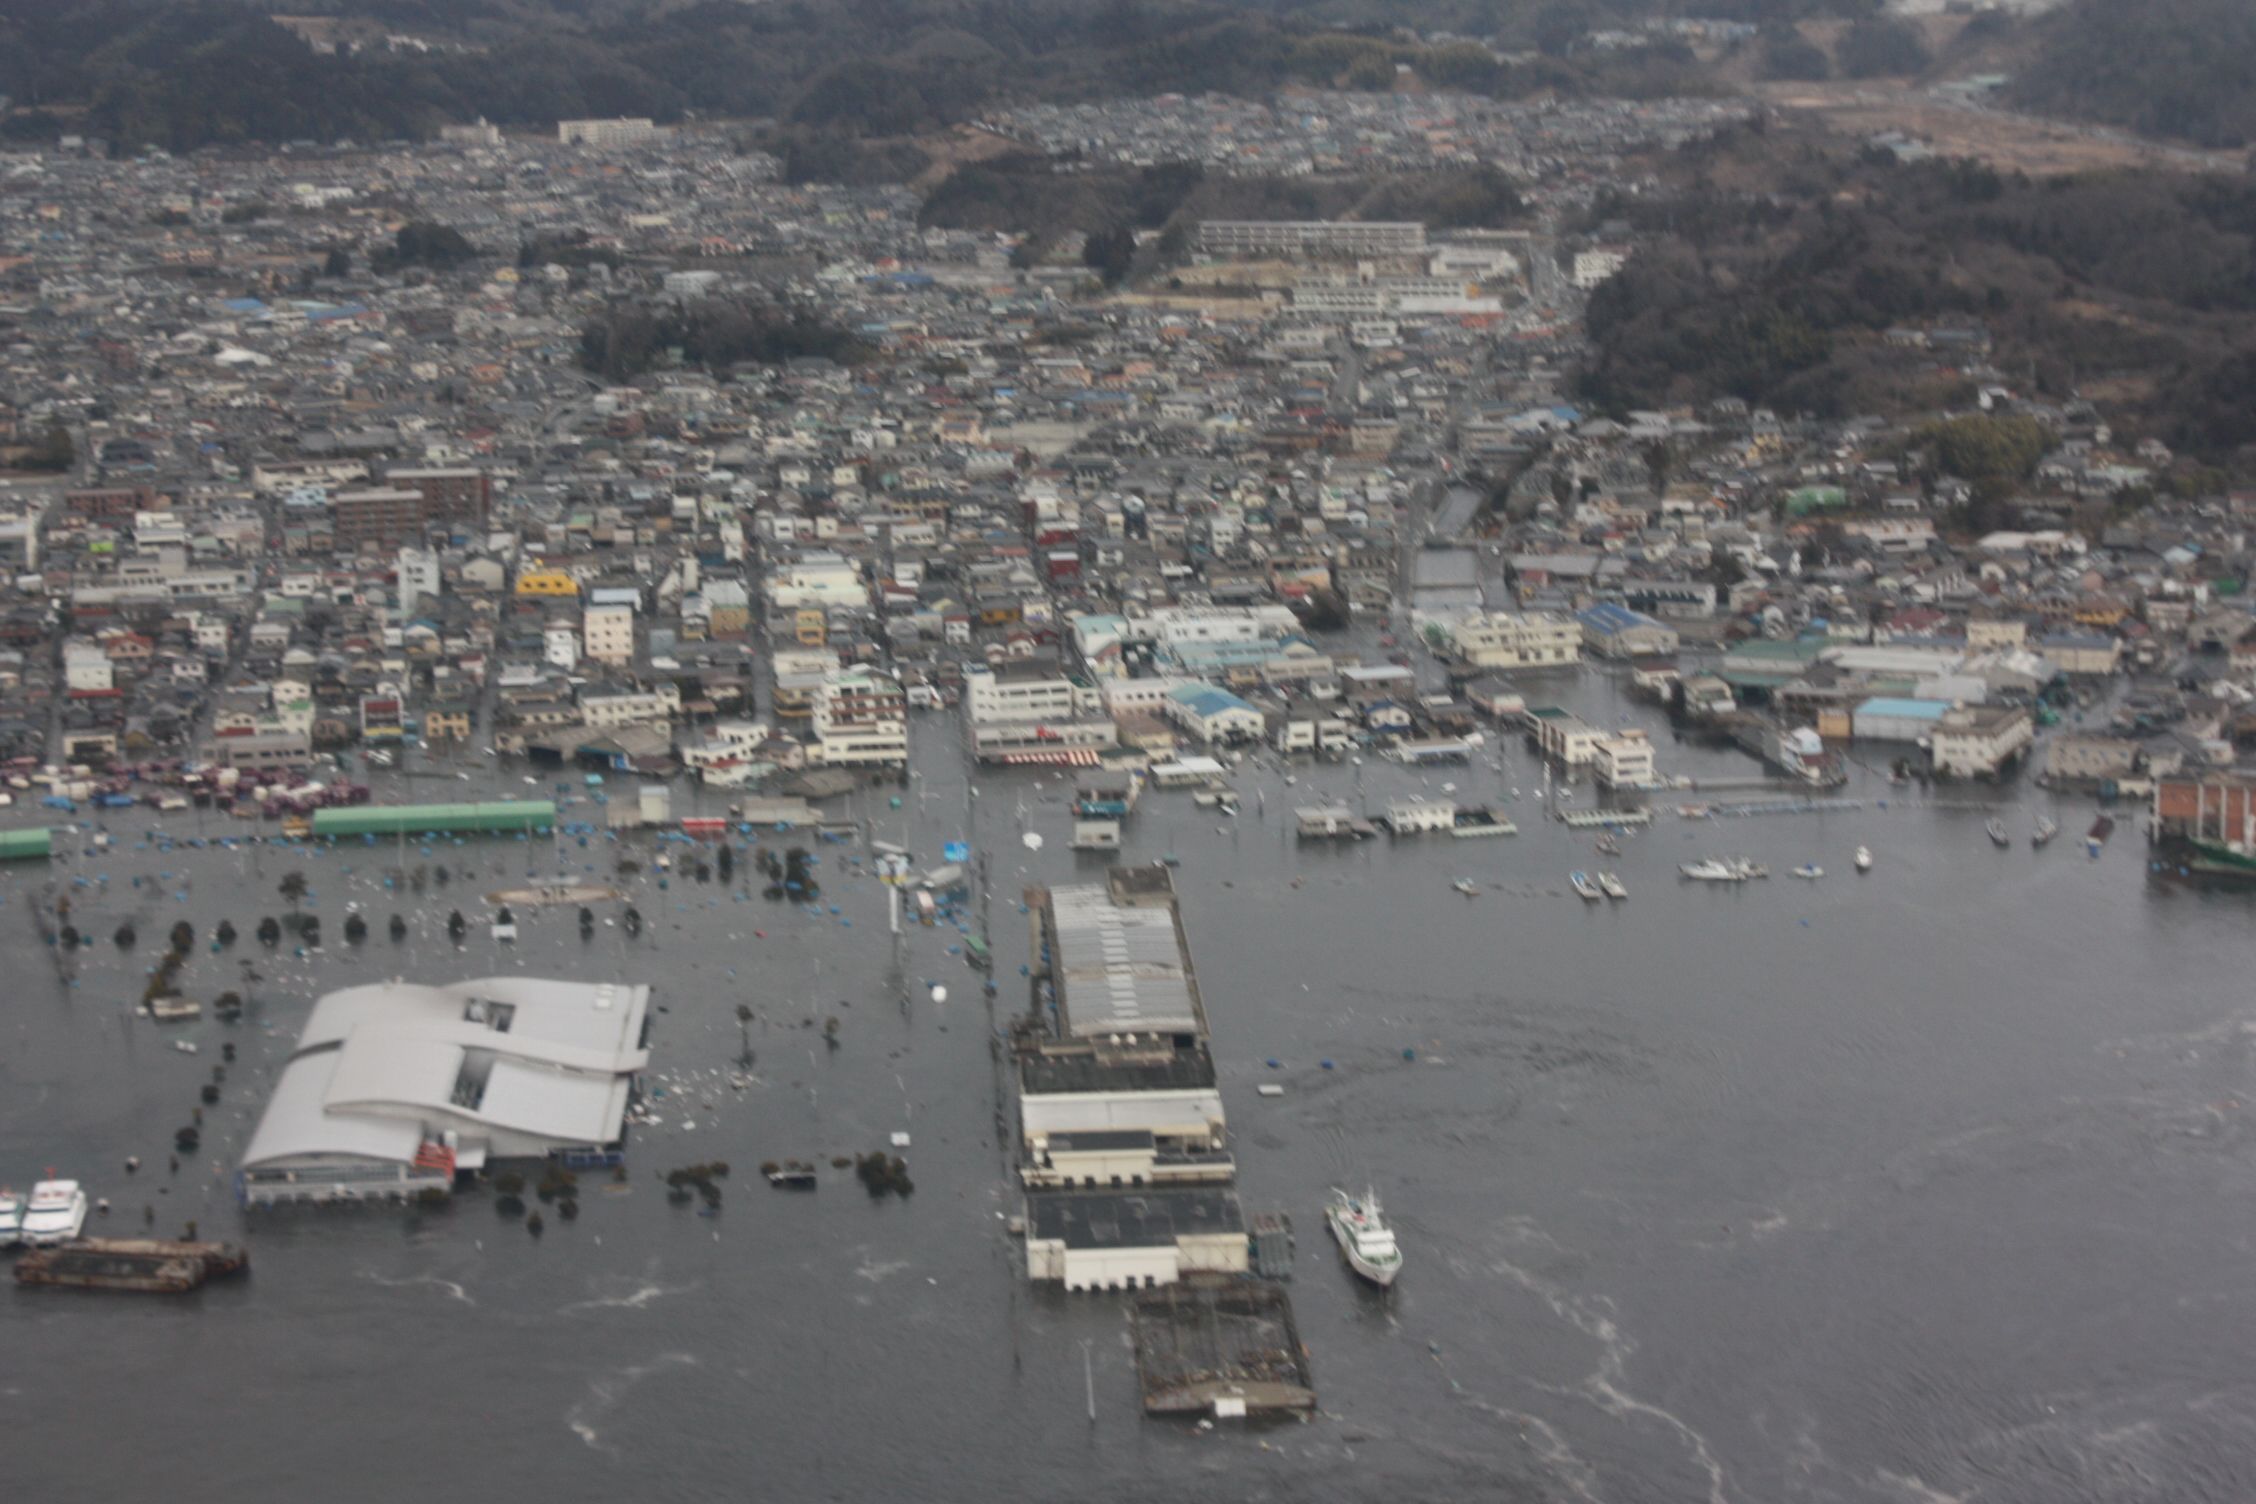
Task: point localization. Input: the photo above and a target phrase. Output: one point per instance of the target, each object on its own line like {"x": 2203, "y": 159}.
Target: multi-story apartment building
{"x": 860, "y": 718}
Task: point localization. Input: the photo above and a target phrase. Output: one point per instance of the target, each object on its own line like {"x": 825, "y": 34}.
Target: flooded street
{"x": 1928, "y": 1184}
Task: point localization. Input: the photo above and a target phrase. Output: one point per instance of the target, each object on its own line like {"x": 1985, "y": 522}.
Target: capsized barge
{"x": 152, "y": 1266}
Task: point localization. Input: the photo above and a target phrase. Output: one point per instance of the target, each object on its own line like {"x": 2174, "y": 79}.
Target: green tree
{"x": 1111, "y": 252}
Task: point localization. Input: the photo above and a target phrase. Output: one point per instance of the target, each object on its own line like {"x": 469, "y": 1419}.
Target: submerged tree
{"x": 293, "y": 891}
{"x": 399, "y": 928}
{"x": 183, "y": 937}
{"x": 269, "y": 932}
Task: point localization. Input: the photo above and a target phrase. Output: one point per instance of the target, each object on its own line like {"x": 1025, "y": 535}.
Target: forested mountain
{"x": 2169, "y": 67}
{"x": 2142, "y": 285}
{"x": 184, "y": 73}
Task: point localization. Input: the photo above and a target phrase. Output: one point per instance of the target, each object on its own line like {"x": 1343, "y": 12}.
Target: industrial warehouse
{"x": 397, "y": 1086}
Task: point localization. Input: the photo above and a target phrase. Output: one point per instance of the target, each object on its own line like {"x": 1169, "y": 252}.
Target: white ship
{"x": 1713, "y": 870}
{"x": 1864, "y": 859}
{"x": 1582, "y": 884}
{"x": 1612, "y": 885}
{"x": 1361, "y": 1231}
{"x": 56, "y": 1213}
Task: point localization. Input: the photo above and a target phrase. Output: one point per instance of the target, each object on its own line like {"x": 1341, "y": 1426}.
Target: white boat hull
{"x": 1381, "y": 1275}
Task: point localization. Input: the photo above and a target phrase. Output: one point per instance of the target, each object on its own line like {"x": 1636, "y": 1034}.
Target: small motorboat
{"x": 1809, "y": 870}
{"x": 1612, "y": 886}
{"x": 1864, "y": 859}
{"x": 1608, "y": 846}
{"x": 1999, "y": 836}
{"x": 1467, "y": 886}
{"x": 2046, "y": 829}
{"x": 1590, "y": 891}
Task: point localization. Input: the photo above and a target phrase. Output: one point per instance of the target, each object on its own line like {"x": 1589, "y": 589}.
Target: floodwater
{"x": 1932, "y": 1184}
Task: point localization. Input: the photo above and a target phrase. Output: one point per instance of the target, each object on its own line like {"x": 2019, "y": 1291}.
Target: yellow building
{"x": 811, "y": 626}
{"x": 547, "y": 582}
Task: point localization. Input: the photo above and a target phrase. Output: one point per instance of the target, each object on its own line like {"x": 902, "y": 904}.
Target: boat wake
{"x": 453, "y": 1290}
{"x": 604, "y": 1395}
{"x": 1603, "y": 1386}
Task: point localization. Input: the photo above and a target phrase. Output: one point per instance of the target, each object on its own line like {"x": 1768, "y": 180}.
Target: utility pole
{"x": 1089, "y": 1379}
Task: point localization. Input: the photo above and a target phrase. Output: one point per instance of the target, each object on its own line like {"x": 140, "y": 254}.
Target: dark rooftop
{"x": 1132, "y": 1219}
{"x": 1186, "y": 1069}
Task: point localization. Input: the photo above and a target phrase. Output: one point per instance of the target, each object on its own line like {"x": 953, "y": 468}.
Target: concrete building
{"x": 1028, "y": 711}
{"x": 1523, "y": 640}
{"x": 1563, "y": 736}
{"x": 379, "y": 517}
{"x": 395, "y": 1086}
{"x": 610, "y": 633}
{"x": 1310, "y": 237}
{"x": 624, "y": 131}
{"x": 1625, "y": 761}
{"x": 1130, "y": 1240}
{"x": 1981, "y": 741}
{"x": 2078, "y": 759}
{"x": 860, "y": 719}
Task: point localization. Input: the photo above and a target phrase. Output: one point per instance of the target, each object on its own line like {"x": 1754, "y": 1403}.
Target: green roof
{"x": 17, "y": 845}
{"x": 416, "y": 819}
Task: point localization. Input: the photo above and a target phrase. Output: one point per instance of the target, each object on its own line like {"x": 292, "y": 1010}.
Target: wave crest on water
{"x": 453, "y": 1290}
{"x": 604, "y": 1394}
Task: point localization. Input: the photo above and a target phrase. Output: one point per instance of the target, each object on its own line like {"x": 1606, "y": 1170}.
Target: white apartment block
{"x": 1625, "y": 761}
{"x": 1533, "y": 639}
{"x": 624, "y": 131}
{"x": 860, "y": 718}
{"x": 645, "y": 708}
{"x": 1310, "y": 237}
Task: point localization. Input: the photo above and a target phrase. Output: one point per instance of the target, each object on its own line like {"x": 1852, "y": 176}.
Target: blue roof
{"x": 1205, "y": 699}
{"x": 1927, "y": 710}
{"x": 1607, "y": 618}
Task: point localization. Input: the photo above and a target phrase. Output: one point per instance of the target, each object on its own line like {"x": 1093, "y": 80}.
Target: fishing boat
{"x": 56, "y": 1213}
{"x": 11, "y": 1218}
{"x": 1810, "y": 870}
{"x": 2046, "y": 829}
{"x": 1608, "y": 846}
{"x": 1864, "y": 859}
{"x": 2096, "y": 837}
{"x": 1590, "y": 891}
{"x": 1467, "y": 886}
{"x": 1360, "y": 1228}
{"x": 793, "y": 1177}
{"x": 1998, "y": 833}
{"x": 1612, "y": 885}
{"x": 1710, "y": 871}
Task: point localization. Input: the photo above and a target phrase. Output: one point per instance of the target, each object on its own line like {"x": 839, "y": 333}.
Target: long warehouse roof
{"x": 1121, "y": 970}
{"x": 414, "y": 819}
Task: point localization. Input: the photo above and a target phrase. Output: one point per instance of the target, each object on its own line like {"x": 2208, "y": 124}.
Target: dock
{"x": 1592, "y": 819}
{"x": 1332, "y": 822}
{"x": 147, "y": 1266}
{"x": 1270, "y": 1235}
{"x": 1224, "y": 1350}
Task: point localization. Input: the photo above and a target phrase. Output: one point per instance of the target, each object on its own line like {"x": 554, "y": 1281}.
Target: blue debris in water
{"x": 1326, "y": 1064}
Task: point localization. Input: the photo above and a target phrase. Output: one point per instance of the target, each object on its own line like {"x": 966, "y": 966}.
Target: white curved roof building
{"x": 395, "y": 1084}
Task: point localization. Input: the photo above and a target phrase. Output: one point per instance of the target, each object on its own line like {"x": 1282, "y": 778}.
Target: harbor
{"x": 1478, "y": 1101}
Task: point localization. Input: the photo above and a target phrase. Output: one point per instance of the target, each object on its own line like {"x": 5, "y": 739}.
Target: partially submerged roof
{"x": 1121, "y": 970}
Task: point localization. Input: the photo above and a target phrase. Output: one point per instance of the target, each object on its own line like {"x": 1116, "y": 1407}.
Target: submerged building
{"x": 1124, "y": 1152}
{"x": 397, "y": 1086}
